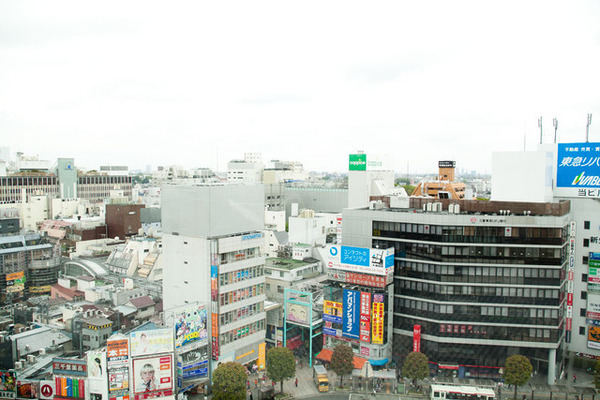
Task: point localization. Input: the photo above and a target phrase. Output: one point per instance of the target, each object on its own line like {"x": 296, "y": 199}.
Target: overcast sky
{"x": 198, "y": 84}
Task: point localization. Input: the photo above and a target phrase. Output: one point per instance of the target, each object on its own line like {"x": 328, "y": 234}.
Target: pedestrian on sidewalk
{"x": 255, "y": 383}
{"x": 574, "y": 378}
{"x": 296, "y": 382}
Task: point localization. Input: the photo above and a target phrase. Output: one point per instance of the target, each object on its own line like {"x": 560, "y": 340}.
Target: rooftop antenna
{"x": 540, "y": 125}
{"x": 587, "y": 128}
{"x": 555, "y": 123}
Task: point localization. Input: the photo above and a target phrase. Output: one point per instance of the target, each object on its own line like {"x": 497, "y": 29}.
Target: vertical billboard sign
{"x": 350, "y": 318}
{"x": 8, "y": 384}
{"x": 153, "y": 377}
{"x": 365, "y": 317}
{"x": 417, "y": 338}
{"x": 570, "y": 284}
{"x": 332, "y": 311}
{"x": 378, "y": 318}
{"x": 15, "y": 282}
{"x": 594, "y": 273}
{"x": 262, "y": 351}
{"x": 117, "y": 360}
{"x": 578, "y": 169}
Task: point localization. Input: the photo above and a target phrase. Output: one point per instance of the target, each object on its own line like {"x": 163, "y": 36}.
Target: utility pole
{"x": 540, "y": 126}
{"x": 587, "y": 129}
{"x": 555, "y": 123}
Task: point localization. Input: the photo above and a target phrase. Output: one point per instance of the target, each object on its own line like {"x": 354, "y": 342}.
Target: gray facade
{"x": 317, "y": 199}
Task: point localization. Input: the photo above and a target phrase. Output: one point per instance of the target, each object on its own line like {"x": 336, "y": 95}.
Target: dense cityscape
{"x": 111, "y": 276}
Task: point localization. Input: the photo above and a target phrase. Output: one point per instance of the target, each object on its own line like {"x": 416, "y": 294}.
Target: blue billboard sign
{"x": 578, "y": 165}
{"x": 350, "y": 312}
{"x": 332, "y": 318}
{"x": 355, "y": 256}
{"x": 594, "y": 256}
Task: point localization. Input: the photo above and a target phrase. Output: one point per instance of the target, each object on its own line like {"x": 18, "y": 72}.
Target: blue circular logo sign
{"x": 333, "y": 251}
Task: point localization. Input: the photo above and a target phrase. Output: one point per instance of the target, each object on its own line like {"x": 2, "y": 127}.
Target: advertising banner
{"x": 298, "y": 313}
{"x": 28, "y": 389}
{"x": 153, "y": 377}
{"x": 578, "y": 170}
{"x": 8, "y": 384}
{"x": 417, "y": 338}
{"x": 96, "y": 364}
{"x": 365, "y": 317}
{"x": 371, "y": 162}
{"x": 69, "y": 388}
{"x": 262, "y": 354}
{"x": 368, "y": 280}
{"x": 378, "y": 317}
{"x": 361, "y": 260}
{"x": 594, "y": 280}
{"x": 593, "y": 306}
{"x": 332, "y": 311}
{"x": 594, "y": 337}
{"x": 118, "y": 380}
{"x": 190, "y": 325}
{"x": 350, "y": 320}
{"x": 594, "y": 256}
{"x": 196, "y": 370}
{"x": 66, "y": 366}
{"x": 117, "y": 350}
{"x": 15, "y": 282}
{"x": 151, "y": 342}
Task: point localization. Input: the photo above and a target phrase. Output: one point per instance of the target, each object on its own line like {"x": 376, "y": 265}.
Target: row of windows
{"x": 241, "y": 313}
{"x": 241, "y": 275}
{"x": 480, "y": 331}
{"x": 28, "y": 181}
{"x": 240, "y": 255}
{"x": 470, "y": 234}
{"x": 103, "y": 180}
{"x": 246, "y": 330}
{"x": 476, "y": 254}
{"x": 241, "y": 294}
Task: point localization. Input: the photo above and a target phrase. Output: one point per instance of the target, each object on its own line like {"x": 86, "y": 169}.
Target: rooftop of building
{"x": 476, "y": 207}
{"x": 288, "y": 264}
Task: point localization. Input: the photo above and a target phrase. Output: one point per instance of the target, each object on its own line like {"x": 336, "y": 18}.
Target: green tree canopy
{"x": 281, "y": 364}
{"x": 597, "y": 375}
{"x": 416, "y": 366}
{"x": 517, "y": 371}
{"x": 229, "y": 382}
{"x": 342, "y": 361}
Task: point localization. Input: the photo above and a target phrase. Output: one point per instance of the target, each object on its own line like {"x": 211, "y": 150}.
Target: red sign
{"x": 366, "y": 280}
{"x": 417, "y": 338}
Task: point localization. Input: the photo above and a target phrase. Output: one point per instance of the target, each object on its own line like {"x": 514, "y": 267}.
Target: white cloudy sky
{"x": 199, "y": 83}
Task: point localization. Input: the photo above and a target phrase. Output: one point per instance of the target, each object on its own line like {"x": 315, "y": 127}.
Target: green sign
{"x": 357, "y": 162}
{"x": 594, "y": 263}
{"x": 594, "y": 280}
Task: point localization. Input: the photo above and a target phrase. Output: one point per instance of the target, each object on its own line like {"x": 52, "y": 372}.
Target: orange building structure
{"x": 444, "y": 187}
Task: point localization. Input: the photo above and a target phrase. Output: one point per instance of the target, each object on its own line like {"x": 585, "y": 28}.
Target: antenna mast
{"x": 587, "y": 128}
{"x": 540, "y": 125}
{"x": 555, "y": 123}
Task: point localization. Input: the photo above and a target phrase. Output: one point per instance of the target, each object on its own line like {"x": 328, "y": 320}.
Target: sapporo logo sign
{"x": 357, "y": 162}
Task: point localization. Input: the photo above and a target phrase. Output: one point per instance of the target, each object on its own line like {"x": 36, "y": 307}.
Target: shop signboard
{"x": 365, "y": 317}
{"x": 117, "y": 350}
{"x": 594, "y": 280}
{"x": 594, "y": 337}
{"x": 360, "y": 260}
{"x": 593, "y": 306}
{"x": 378, "y": 318}
{"x": 332, "y": 311}
{"x": 350, "y": 319}
{"x": 578, "y": 169}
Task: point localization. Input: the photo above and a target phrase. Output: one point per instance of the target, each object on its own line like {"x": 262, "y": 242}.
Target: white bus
{"x": 442, "y": 392}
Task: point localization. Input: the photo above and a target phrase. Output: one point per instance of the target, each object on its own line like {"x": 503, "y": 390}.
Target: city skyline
{"x": 198, "y": 85}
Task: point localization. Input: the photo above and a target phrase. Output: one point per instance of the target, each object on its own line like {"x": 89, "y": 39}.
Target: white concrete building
{"x": 369, "y": 175}
{"x": 312, "y": 228}
{"x": 249, "y": 170}
{"x": 212, "y": 243}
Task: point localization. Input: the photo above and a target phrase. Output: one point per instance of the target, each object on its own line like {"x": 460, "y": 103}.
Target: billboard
{"x": 371, "y": 162}
{"x": 361, "y": 260}
{"x": 593, "y": 279}
{"x": 96, "y": 364}
{"x": 593, "y": 307}
{"x": 417, "y": 338}
{"x": 69, "y": 388}
{"x": 15, "y": 282}
{"x": 117, "y": 350}
{"x": 578, "y": 169}
{"x": 118, "y": 380}
{"x": 378, "y": 318}
{"x": 350, "y": 319}
{"x": 365, "y": 317}
{"x": 297, "y": 313}
{"x": 67, "y": 366}
{"x": 594, "y": 337}
{"x": 28, "y": 389}
{"x": 153, "y": 377}
{"x": 151, "y": 342}
{"x": 332, "y": 311}
{"x": 190, "y": 325}
{"x": 8, "y": 384}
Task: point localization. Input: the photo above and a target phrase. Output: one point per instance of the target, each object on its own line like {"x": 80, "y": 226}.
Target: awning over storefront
{"x": 325, "y": 355}
{"x": 447, "y": 366}
{"x": 379, "y": 363}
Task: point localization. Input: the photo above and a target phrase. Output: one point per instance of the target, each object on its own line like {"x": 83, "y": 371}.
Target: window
{"x": 586, "y": 224}
{"x": 584, "y": 260}
{"x": 582, "y": 330}
{"x": 586, "y": 242}
{"x": 584, "y": 278}
{"x": 583, "y": 295}
{"x": 582, "y": 312}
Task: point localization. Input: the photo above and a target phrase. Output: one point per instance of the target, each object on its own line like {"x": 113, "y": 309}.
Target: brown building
{"x": 123, "y": 220}
{"x": 444, "y": 186}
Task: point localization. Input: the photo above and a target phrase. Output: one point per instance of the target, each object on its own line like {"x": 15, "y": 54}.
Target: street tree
{"x": 229, "y": 382}
{"x": 342, "y": 361}
{"x": 517, "y": 371}
{"x": 416, "y": 366}
{"x": 597, "y": 375}
{"x": 281, "y": 364}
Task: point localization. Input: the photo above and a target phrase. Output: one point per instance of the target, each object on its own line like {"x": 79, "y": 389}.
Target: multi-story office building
{"x": 481, "y": 282}
{"x": 212, "y": 255}
{"x": 444, "y": 187}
